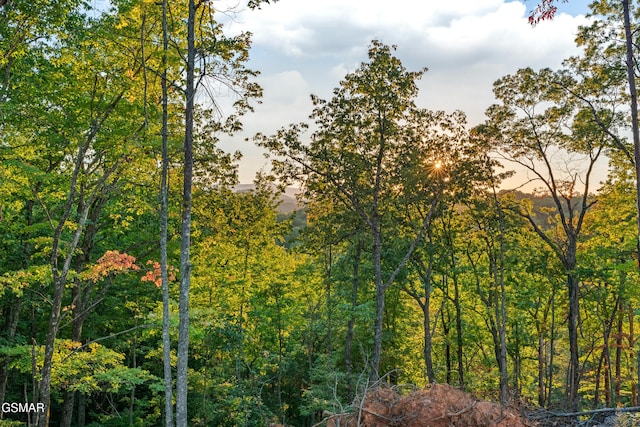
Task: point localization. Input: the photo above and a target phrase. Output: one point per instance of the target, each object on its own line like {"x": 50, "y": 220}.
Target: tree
{"x": 489, "y": 229}
{"x": 547, "y": 9}
{"x": 164, "y": 232}
{"x": 376, "y": 152}
{"x": 80, "y": 156}
{"x": 185, "y": 233}
{"x": 205, "y": 44}
{"x": 31, "y": 28}
{"x": 537, "y": 125}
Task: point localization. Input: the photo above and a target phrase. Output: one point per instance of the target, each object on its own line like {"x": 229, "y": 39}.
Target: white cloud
{"x": 306, "y": 46}
{"x": 339, "y": 71}
{"x": 285, "y": 87}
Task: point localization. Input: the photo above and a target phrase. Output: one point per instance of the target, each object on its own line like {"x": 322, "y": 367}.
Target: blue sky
{"x": 571, "y": 7}
{"x": 304, "y": 47}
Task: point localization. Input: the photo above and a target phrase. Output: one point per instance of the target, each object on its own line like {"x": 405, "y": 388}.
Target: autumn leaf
{"x": 154, "y": 274}
{"x": 111, "y": 262}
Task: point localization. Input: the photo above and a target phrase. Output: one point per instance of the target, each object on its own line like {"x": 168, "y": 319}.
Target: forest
{"x": 142, "y": 286}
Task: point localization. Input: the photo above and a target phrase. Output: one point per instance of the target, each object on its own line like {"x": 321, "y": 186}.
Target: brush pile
{"x": 438, "y": 406}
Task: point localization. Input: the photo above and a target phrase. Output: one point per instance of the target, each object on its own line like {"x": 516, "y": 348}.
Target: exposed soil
{"x": 438, "y": 406}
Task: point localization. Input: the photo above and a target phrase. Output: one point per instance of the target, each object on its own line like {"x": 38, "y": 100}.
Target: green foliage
{"x": 85, "y": 369}
{"x": 401, "y": 244}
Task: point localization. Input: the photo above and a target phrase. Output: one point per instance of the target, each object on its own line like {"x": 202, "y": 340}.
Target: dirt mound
{"x": 437, "y": 406}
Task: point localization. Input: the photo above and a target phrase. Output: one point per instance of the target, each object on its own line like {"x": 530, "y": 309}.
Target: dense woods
{"x": 142, "y": 286}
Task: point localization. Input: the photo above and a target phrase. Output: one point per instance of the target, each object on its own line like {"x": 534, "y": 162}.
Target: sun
{"x": 437, "y": 168}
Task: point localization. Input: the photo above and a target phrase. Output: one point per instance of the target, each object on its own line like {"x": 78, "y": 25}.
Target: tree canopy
{"x": 142, "y": 286}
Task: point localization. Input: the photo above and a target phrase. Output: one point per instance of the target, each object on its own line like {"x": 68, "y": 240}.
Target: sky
{"x": 304, "y": 47}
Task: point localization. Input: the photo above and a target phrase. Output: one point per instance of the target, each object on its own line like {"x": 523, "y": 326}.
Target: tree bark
{"x": 459, "y": 340}
{"x": 352, "y": 319}
{"x": 541, "y": 367}
{"x": 374, "y": 375}
{"x": 501, "y": 314}
{"x": 185, "y": 240}
{"x": 447, "y": 346}
{"x": 629, "y": 44}
{"x": 82, "y": 304}
{"x": 328, "y": 273}
{"x": 574, "y": 365}
{"x": 164, "y": 214}
{"x": 426, "y": 316}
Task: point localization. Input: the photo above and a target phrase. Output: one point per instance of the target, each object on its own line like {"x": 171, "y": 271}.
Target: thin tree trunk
{"x": 374, "y": 375}
{"x": 447, "y": 345}
{"x": 629, "y": 44}
{"x": 82, "y": 304}
{"x": 352, "y": 319}
{"x": 428, "y": 342}
{"x": 634, "y": 106}
{"x": 618, "y": 363}
{"x": 501, "y": 314}
{"x": 542, "y": 358}
{"x": 164, "y": 214}
{"x": 552, "y": 340}
{"x": 134, "y": 364}
{"x": 60, "y": 273}
{"x": 606, "y": 356}
{"x": 632, "y": 340}
{"x": 574, "y": 365}
{"x": 182, "y": 417}
{"x": 596, "y": 393}
{"x": 329, "y": 269}
{"x": 459, "y": 340}
{"x": 281, "y": 415}
{"x": 517, "y": 358}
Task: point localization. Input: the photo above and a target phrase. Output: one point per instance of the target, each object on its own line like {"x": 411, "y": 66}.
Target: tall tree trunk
{"x": 424, "y": 301}
{"x": 352, "y": 320}
{"x": 182, "y": 417}
{"x": 164, "y": 214}
{"x": 632, "y": 341}
{"x": 596, "y": 393}
{"x": 619, "y": 344}
{"x": 44, "y": 392}
{"x": 446, "y": 320}
{"x": 606, "y": 356}
{"x": 631, "y": 65}
{"x": 428, "y": 342}
{"x": 542, "y": 359}
{"x": 328, "y": 272}
{"x": 59, "y": 272}
{"x": 552, "y": 341}
{"x": 574, "y": 365}
{"x": 82, "y": 305}
{"x": 517, "y": 359}
{"x": 374, "y": 375}
{"x": 634, "y": 106}
{"x": 459, "y": 340}
{"x": 281, "y": 415}
{"x": 501, "y": 314}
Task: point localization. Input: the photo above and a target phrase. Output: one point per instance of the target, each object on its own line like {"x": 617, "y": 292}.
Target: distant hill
{"x": 288, "y": 201}
{"x": 544, "y": 208}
